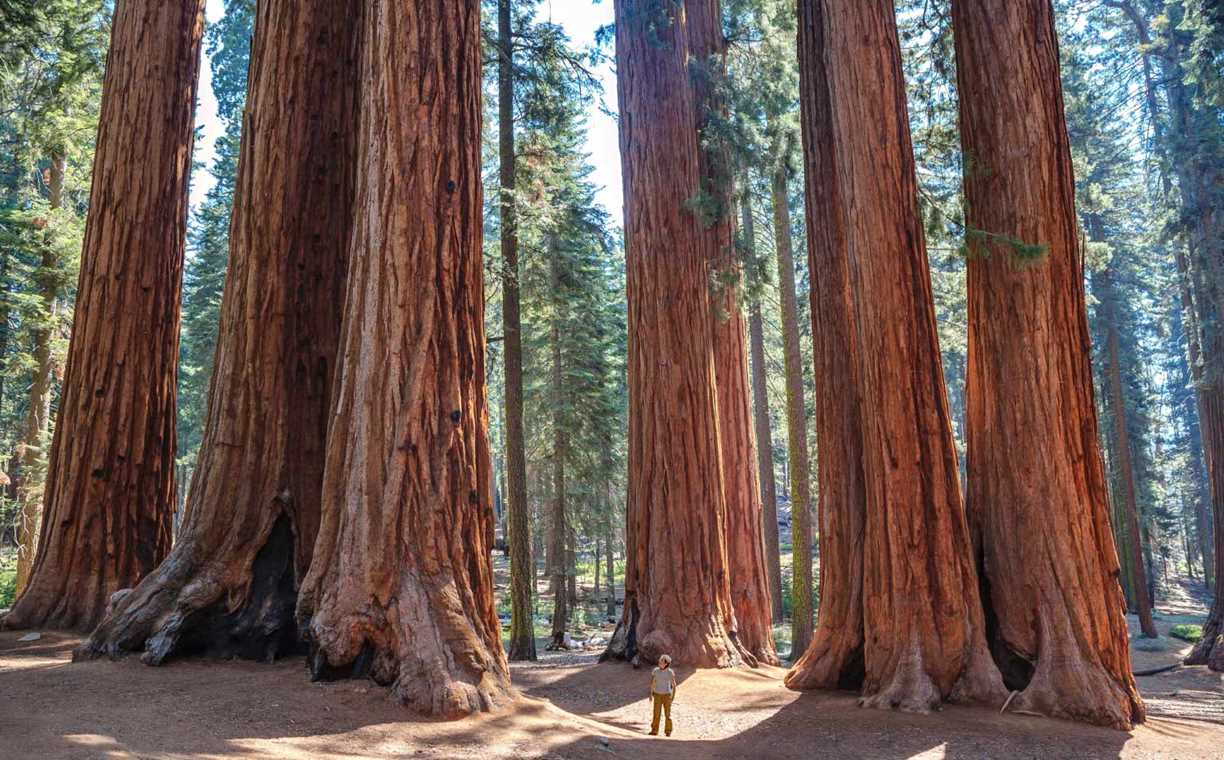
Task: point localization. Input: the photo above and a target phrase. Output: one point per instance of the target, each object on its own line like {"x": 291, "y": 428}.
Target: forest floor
{"x": 571, "y": 707}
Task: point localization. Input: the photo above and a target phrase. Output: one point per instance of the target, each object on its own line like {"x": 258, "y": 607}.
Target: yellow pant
{"x": 662, "y": 704}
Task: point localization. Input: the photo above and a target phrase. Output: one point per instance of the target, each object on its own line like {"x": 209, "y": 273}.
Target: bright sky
{"x": 580, "y": 18}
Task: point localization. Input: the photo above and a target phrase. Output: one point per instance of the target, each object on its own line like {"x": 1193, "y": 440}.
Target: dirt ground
{"x": 571, "y": 708}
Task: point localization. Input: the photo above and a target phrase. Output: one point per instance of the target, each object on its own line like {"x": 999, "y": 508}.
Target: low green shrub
{"x": 1185, "y": 632}
{"x": 8, "y": 586}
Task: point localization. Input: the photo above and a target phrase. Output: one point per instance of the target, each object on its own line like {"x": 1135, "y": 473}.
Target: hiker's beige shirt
{"x": 662, "y": 681}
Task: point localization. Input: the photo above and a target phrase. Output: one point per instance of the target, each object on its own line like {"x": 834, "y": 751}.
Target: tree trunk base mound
{"x": 1083, "y": 693}
{"x": 189, "y": 606}
{"x": 713, "y": 647}
{"x": 1210, "y": 649}
{"x": 834, "y": 661}
{"x": 420, "y": 642}
{"x": 1063, "y": 682}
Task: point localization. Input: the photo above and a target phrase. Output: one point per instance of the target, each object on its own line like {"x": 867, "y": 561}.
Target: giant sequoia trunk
{"x": 677, "y": 590}
{"x": 796, "y": 425}
{"x": 229, "y": 587}
{"x": 401, "y": 585}
{"x": 518, "y": 530}
{"x": 1037, "y": 491}
{"x": 752, "y": 625}
{"x": 38, "y": 411}
{"x": 922, "y": 638}
{"x": 750, "y": 595}
{"x": 109, "y": 495}
{"x": 764, "y": 437}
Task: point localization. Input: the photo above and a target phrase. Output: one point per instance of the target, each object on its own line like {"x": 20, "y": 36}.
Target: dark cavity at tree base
{"x": 183, "y": 608}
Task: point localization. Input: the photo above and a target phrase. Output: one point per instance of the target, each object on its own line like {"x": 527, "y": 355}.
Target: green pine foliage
{"x": 51, "y": 63}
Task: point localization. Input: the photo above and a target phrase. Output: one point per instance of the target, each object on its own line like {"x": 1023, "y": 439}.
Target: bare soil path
{"x": 571, "y": 708}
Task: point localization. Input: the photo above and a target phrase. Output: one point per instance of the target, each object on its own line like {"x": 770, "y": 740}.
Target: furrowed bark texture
{"x": 922, "y": 621}
{"x": 1037, "y": 490}
{"x": 229, "y": 586}
{"x": 109, "y": 495}
{"x": 752, "y": 625}
{"x": 764, "y": 437}
{"x": 401, "y": 586}
{"x": 677, "y": 590}
{"x": 745, "y": 543}
{"x": 518, "y": 533}
{"x": 834, "y": 658}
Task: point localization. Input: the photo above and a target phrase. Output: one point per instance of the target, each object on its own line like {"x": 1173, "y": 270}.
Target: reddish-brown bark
{"x": 745, "y": 543}
{"x": 1037, "y": 490}
{"x": 752, "y": 625}
{"x": 677, "y": 590}
{"x": 401, "y": 585}
{"x": 229, "y": 587}
{"x": 109, "y": 495}
{"x": 834, "y": 658}
{"x": 922, "y": 623}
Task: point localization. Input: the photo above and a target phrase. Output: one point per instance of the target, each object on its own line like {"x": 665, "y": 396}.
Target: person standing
{"x": 662, "y": 692}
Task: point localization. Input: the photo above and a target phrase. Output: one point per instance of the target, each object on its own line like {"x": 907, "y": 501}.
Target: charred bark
{"x": 229, "y": 586}
{"x": 867, "y": 235}
{"x": 401, "y": 584}
{"x": 1037, "y": 491}
{"x": 109, "y": 495}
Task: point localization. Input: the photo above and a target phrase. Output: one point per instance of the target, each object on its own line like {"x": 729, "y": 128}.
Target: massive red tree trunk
{"x": 1037, "y": 490}
{"x": 677, "y": 590}
{"x": 752, "y": 625}
{"x": 922, "y": 622}
{"x": 401, "y": 585}
{"x": 109, "y": 495}
{"x": 230, "y": 584}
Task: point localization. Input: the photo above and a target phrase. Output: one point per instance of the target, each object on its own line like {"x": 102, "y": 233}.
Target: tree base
{"x": 420, "y": 642}
{"x": 1209, "y": 650}
{"x": 834, "y": 661}
{"x": 698, "y": 645}
{"x": 186, "y": 607}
